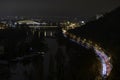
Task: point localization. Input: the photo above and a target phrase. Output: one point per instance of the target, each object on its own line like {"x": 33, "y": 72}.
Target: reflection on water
{"x": 55, "y": 59}
{"x": 30, "y": 69}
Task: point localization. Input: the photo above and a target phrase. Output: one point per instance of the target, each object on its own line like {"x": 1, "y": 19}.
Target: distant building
{"x": 31, "y": 23}
{"x": 3, "y": 26}
{"x": 28, "y": 22}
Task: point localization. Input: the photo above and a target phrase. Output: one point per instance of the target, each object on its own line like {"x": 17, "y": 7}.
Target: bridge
{"x": 41, "y": 28}
{"x": 45, "y": 31}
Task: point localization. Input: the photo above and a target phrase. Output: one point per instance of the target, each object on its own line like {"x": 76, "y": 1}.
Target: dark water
{"x": 61, "y": 60}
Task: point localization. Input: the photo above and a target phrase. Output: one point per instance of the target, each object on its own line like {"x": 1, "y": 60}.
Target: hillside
{"x": 105, "y": 31}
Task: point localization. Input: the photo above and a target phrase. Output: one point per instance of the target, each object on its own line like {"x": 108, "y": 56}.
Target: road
{"x": 103, "y": 57}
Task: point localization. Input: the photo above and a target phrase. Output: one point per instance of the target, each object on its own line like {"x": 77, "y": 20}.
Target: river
{"x": 64, "y": 60}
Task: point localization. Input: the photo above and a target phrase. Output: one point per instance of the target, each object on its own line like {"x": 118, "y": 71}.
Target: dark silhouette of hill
{"x": 105, "y": 31}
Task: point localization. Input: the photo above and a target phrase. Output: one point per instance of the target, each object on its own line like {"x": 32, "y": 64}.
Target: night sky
{"x": 57, "y": 7}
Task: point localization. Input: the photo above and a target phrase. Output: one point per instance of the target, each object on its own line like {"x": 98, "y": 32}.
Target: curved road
{"x": 103, "y": 57}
